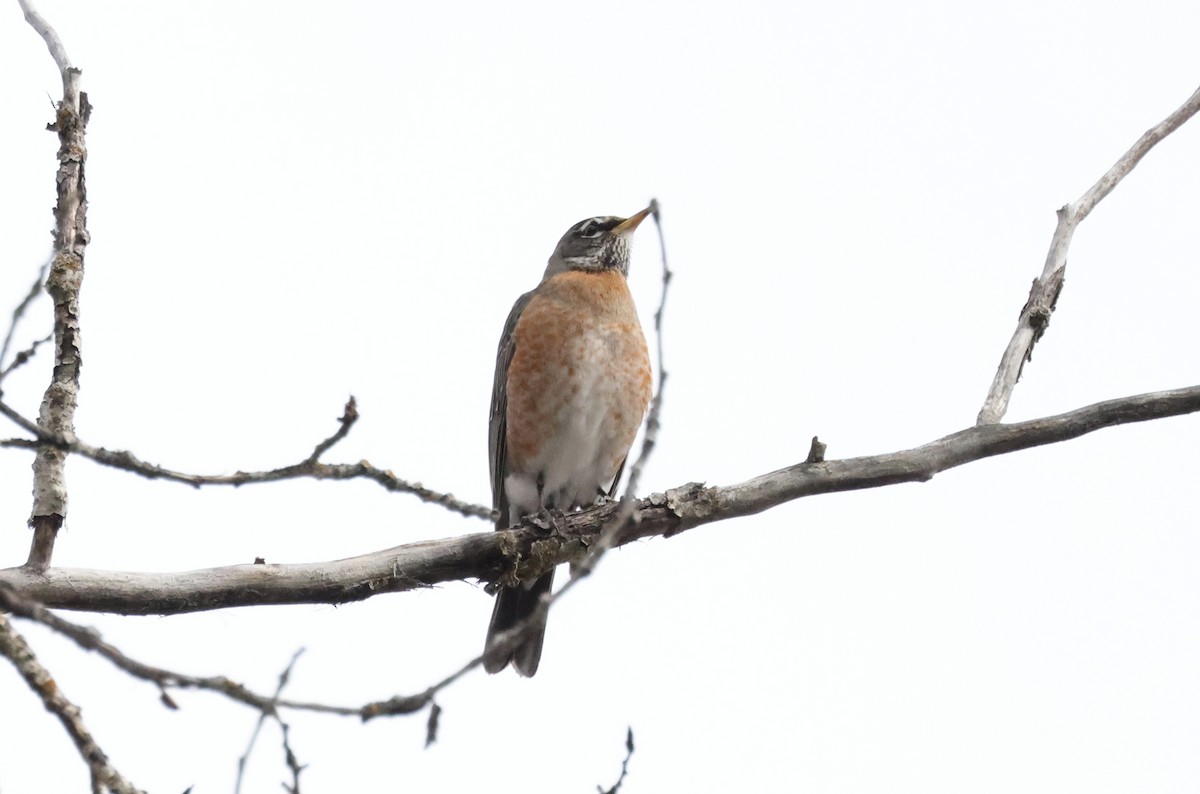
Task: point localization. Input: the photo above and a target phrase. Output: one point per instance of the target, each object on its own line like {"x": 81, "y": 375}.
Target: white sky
{"x": 292, "y": 203}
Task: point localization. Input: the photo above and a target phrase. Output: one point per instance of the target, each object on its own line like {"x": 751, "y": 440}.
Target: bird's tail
{"x": 513, "y": 605}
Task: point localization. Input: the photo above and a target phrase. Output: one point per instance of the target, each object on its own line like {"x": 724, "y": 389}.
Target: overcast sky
{"x": 294, "y": 202}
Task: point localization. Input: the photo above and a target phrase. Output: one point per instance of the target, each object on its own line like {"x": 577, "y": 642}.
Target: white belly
{"x": 576, "y": 464}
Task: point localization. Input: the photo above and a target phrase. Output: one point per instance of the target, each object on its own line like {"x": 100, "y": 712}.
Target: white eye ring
{"x": 589, "y": 230}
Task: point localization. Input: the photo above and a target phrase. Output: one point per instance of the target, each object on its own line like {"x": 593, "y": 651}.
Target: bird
{"x": 572, "y": 385}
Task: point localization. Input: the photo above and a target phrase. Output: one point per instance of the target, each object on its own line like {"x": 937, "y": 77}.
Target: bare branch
{"x": 310, "y": 467}
{"x": 349, "y": 417}
{"x": 400, "y": 705}
{"x": 57, "y": 413}
{"x": 14, "y": 648}
{"x": 629, "y": 503}
{"x": 18, "y": 314}
{"x": 650, "y": 438}
{"x": 89, "y": 639}
{"x": 23, "y": 357}
{"x": 431, "y": 725}
{"x": 1043, "y": 295}
{"x": 624, "y": 765}
{"x": 270, "y": 711}
{"x": 289, "y": 757}
{"x": 528, "y": 551}
{"x": 57, "y": 51}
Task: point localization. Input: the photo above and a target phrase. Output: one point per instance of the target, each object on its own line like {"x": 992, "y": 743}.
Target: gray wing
{"x": 497, "y": 425}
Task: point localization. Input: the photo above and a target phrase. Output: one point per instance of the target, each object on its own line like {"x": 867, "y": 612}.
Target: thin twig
{"x": 89, "y": 639}
{"x": 1043, "y": 295}
{"x": 269, "y": 710}
{"x": 18, "y": 314}
{"x": 629, "y": 504}
{"x": 431, "y": 725}
{"x": 410, "y": 704}
{"x": 349, "y": 417}
{"x": 624, "y": 765}
{"x": 23, "y": 357}
{"x": 650, "y": 437}
{"x": 289, "y": 757}
{"x": 309, "y": 467}
{"x": 105, "y": 778}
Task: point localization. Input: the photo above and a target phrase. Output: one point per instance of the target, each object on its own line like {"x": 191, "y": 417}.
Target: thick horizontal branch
{"x": 527, "y": 551}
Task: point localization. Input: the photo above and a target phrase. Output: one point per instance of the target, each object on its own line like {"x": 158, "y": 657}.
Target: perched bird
{"x": 572, "y": 385}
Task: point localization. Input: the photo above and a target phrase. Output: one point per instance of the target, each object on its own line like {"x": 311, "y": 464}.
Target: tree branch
{"x": 18, "y": 314}
{"x": 309, "y": 467}
{"x": 1043, "y": 295}
{"x": 650, "y": 437}
{"x": 104, "y": 777}
{"x": 57, "y": 414}
{"x": 527, "y": 551}
{"x": 624, "y": 765}
{"x": 272, "y": 712}
{"x": 23, "y": 356}
{"x": 57, "y": 51}
{"x": 89, "y": 639}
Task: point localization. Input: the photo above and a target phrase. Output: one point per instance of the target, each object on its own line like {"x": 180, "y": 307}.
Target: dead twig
{"x": 624, "y": 766}
{"x": 23, "y": 357}
{"x": 310, "y": 467}
{"x": 105, "y": 778}
{"x": 270, "y": 711}
{"x": 18, "y": 314}
{"x": 89, "y": 639}
{"x": 1043, "y": 295}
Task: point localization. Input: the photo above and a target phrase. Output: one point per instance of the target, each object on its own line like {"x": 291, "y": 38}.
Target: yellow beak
{"x": 629, "y": 224}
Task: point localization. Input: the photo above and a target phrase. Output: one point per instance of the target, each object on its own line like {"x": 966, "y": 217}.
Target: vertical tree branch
{"x": 1043, "y": 295}
{"x": 57, "y": 414}
{"x": 14, "y": 648}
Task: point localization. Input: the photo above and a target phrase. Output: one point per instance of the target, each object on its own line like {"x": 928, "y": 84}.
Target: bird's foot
{"x": 604, "y": 500}
{"x": 546, "y": 518}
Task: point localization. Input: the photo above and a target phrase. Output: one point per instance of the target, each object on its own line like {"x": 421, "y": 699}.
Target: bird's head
{"x": 595, "y": 245}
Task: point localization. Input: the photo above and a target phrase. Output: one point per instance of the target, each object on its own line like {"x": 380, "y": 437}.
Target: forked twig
{"x": 1043, "y": 295}
{"x": 310, "y": 467}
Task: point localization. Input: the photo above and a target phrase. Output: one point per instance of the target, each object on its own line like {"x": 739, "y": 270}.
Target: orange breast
{"x": 579, "y": 382}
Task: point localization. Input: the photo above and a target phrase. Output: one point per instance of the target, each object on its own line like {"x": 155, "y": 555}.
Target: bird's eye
{"x": 589, "y": 230}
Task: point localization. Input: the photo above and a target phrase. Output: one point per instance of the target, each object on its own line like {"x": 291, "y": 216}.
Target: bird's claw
{"x": 546, "y": 518}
